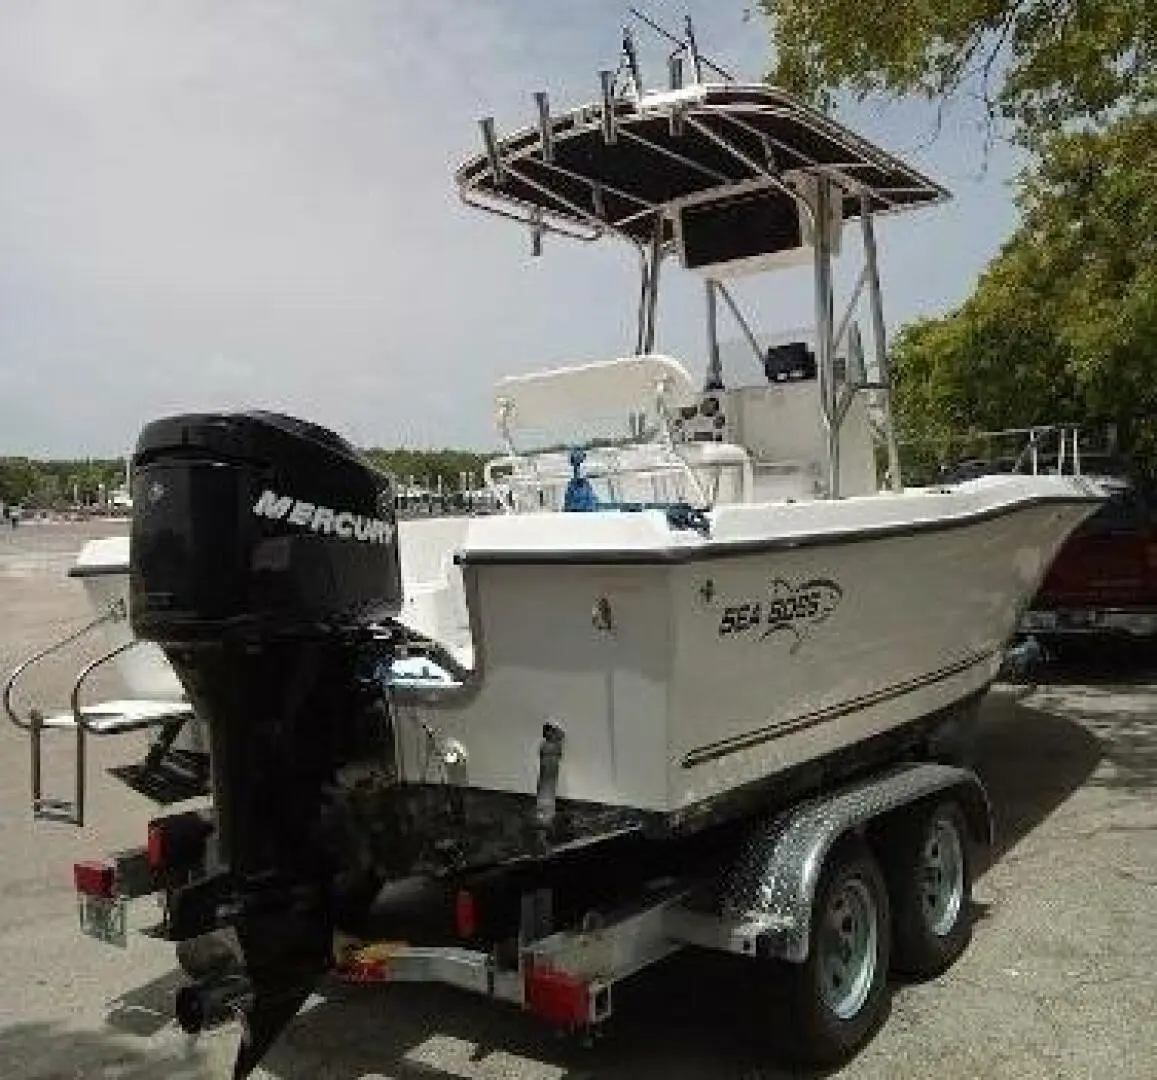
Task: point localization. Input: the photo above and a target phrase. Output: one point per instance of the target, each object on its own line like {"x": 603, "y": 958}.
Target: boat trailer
{"x": 839, "y": 888}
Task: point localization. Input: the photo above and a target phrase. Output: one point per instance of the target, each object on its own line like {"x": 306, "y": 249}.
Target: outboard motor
{"x": 264, "y": 561}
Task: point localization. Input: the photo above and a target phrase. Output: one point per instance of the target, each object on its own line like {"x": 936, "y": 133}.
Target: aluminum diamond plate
{"x": 776, "y": 877}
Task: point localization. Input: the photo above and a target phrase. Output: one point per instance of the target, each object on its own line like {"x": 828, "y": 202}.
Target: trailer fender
{"x": 774, "y": 881}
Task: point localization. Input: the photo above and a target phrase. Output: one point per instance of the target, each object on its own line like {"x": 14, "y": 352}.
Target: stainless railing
{"x": 83, "y": 721}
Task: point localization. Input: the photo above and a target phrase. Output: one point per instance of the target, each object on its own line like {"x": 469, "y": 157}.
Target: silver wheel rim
{"x": 847, "y": 948}
{"x": 941, "y": 876}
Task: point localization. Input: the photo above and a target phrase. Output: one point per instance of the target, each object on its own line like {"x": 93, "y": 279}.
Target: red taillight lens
{"x": 177, "y": 843}
{"x": 364, "y": 971}
{"x": 557, "y": 997}
{"x": 156, "y": 845}
{"x": 94, "y": 879}
{"x": 465, "y": 914}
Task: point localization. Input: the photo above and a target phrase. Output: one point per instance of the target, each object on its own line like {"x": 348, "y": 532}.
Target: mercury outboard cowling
{"x": 256, "y": 523}
{"x": 264, "y": 561}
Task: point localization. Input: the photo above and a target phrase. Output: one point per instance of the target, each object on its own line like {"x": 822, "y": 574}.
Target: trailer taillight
{"x": 95, "y": 879}
{"x": 557, "y": 996}
{"x": 177, "y": 843}
{"x": 465, "y": 914}
{"x": 156, "y": 845}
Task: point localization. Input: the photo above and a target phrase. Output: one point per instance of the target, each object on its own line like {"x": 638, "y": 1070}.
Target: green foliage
{"x": 17, "y": 479}
{"x": 425, "y": 466}
{"x": 1038, "y": 63}
{"x": 52, "y": 484}
{"x": 1062, "y": 326}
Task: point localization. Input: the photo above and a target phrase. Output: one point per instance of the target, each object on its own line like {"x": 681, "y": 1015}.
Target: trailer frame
{"x": 761, "y": 906}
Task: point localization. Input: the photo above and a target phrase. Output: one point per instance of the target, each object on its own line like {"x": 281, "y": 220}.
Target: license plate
{"x": 104, "y": 919}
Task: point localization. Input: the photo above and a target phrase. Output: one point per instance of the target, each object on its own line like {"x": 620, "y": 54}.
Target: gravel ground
{"x": 1059, "y": 981}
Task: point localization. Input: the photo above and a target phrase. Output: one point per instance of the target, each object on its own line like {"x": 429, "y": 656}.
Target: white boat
{"x": 750, "y": 587}
{"x": 731, "y": 630}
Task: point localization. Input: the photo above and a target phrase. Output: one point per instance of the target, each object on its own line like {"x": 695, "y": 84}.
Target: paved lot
{"x": 1060, "y": 981}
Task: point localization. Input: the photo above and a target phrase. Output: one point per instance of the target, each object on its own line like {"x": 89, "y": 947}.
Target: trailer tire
{"x": 929, "y": 871}
{"x": 839, "y": 995}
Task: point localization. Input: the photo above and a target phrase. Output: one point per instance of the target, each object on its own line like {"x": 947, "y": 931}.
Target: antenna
{"x": 631, "y": 57}
{"x": 685, "y": 44}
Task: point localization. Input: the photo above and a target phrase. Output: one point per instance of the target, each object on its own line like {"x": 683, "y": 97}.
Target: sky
{"x": 217, "y": 204}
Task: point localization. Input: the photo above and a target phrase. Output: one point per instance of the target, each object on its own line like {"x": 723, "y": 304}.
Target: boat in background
{"x": 1101, "y": 589}
{"x": 1102, "y": 586}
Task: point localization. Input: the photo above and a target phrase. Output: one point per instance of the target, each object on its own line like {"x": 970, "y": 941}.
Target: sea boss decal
{"x": 794, "y": 608}
{"x": 323, "y": 519}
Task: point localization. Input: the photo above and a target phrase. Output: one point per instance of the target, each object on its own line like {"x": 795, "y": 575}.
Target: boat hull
{"x": 678, "y": 682}
{"x": 682, "y": 674}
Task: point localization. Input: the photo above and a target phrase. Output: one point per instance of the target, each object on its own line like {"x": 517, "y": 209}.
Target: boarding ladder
{"x": 105, "y": 719}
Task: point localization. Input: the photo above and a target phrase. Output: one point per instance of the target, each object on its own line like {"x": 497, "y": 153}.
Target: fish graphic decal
{"x": 797, "y": 609}
{"x": 794, "y": 609}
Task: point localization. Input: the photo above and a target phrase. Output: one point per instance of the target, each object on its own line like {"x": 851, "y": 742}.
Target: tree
{"x": 426, "y": 466}
{"x": 1037, "y": 63}
{"x": 1062, "y": 326}
{"x": 53, "y": 484}
{"x": 17, "y": 479}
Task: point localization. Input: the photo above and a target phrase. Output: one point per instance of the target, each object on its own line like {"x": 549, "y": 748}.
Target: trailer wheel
{"x": 839, "y": 995}
{"x": 930, "y": 878}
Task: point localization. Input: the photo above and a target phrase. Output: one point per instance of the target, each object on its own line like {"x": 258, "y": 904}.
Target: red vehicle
{"x": 1103, "y": 584}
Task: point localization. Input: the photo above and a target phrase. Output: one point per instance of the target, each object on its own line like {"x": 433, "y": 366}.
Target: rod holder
{"x": 536, "y": 231}
{"x": 598, "y": 201}
{"x": 675, "y": 71}
{"x": 693, "y": 49}
{"x": 607, "y": 83}
{"x": 542, "y": 102}
{"x": 490, "y": 141}
{"x": 769, "y": 157}
{"x": 632, "y": 58}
